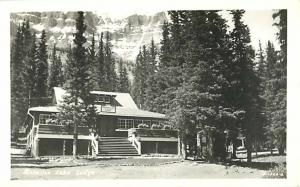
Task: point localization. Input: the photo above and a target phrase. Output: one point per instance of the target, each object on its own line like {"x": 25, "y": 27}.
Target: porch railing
{"x": 135, "y": 142}
{"x": 159, "y": 133}
{"x": 94, "y": 146}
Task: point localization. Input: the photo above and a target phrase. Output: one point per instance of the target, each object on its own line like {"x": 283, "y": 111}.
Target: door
{"x": 105, "y": 126}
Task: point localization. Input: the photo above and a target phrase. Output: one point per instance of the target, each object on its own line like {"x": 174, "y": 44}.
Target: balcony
{"x": 61, "y": 130}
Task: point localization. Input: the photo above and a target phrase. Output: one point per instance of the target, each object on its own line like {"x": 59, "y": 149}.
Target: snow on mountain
{"x": 129, "y": 33}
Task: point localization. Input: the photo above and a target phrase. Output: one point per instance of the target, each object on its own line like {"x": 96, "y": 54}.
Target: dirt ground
{"x": 145, "y": 168}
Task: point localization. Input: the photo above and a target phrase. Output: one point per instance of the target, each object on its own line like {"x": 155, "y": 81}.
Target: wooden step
{"x": 116, "y": 146}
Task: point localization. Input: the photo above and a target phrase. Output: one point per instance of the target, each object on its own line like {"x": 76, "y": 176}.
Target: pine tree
{"x": 31, "y": 64}
{"x": 157, "y": 94}
{"x": 42, "y": 69}
{"x": 100, "y": 65}
{"x": 55, "y": 76}
{"x": 152, "y": 92}
{"x": 245, "y": 85}
{"x": 165, "y": 46}
{"x": 18, "y": 96}
{"x": 152, "y": 58}
{"x": 269, "y": 92}
{"x": 200, "y": 98}
{"x": 109, "y": 65}
{"x": 78, "y": 107}
{"x": 261, "y": 70}
{"x": 92, "y": 62}
{"x": 139, "y": 80}
{"x": 27, "y": 36}
{"x": 123, "y": 84}
{"x": 279, "y": 83}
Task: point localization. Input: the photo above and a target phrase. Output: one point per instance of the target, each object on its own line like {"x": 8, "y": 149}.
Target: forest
{"x": 203, "y": 76}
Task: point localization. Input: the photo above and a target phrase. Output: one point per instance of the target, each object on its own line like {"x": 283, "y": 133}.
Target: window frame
{"x": 101, "y": 99}
{"x": 48, "y": 116}
{"x": 107, "y": 99}
{"x": 126, "y": 124}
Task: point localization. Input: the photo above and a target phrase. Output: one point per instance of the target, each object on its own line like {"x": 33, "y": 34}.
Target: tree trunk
{"x": 75, "y": 141}
{"x": 255, "y": 147}
{"x": 249, "y": 148}
{"x": 183, "y": 147}
{"x": 75, "y": 133}
{"x": 234, "y": 147}
{"x": 281, "y": 150}
{"x": 271, "y": 151}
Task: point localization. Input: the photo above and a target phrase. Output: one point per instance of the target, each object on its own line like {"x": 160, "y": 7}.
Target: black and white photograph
{"x": 172, "y": 93}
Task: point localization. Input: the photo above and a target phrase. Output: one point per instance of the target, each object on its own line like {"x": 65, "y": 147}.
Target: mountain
{"x": 128, "y": 33}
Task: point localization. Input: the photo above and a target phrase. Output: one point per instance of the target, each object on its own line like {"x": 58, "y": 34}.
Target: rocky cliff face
{"x": 128, "y": 33}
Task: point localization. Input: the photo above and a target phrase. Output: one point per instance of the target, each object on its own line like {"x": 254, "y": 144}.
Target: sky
{"x": 261, "y": 27}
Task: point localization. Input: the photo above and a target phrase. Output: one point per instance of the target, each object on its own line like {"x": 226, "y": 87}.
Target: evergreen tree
{"x": 100, "y": 65}
{"x": 42, "y": 69}
{"x": 139, "y": 81}
{"x": 92, "y": 62}
{"x": 27, "y": 37}
{"x": 77, "y": 108}
{"x": 269, "y": 92}
{"x": 152, "y": 59}
{"x": 18, "y": 96}
{"x": 32, "y": 61}
{"x": 109, "y": 65}
{"x": 279, "y": 83}
{"x": 261, "y": 70}
{"x": 123, "y": 84}
{"x": 245, "y": 83}
{"x": 157, "y": 93}
{"x": 200, "y": 98}
{"x": 152, "y": 92}
{"x": 55, "y": 76}
{"x": 165, "y": 46}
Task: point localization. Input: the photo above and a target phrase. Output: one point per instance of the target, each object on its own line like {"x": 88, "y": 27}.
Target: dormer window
{"x": 101, "y": 99}
{"x": 107, "y": 99}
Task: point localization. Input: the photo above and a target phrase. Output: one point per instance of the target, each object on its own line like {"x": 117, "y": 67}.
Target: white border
{"x": 293, "y": 6}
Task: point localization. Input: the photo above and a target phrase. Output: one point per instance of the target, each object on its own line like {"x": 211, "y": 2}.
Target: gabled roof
{"x": 128, "y": 107}
{"x": 124, "y": 99}
{"x": 44, "y": 109}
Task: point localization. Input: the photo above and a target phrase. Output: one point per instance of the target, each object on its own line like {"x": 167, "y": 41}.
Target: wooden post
{"x": 89, "y": 147}
{"x": 64, "y": 147}
{"x": 75, "y": 141}
{"x": 178, "y": 145}
{"x": 36, "y": 142}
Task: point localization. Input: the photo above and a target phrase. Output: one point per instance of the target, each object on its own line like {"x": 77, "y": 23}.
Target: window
{"x": 125, "y": 123}
{"x": 121, "y": 124}
{"x": 101, "y": 99}
{"x": 129, "y": 123}
{"x": 107, "y": 99}
{"x": 47, "y": 119}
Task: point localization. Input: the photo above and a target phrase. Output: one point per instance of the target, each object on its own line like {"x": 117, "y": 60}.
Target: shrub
{"x": 143, "y": 126}
{"x": 155, "y": 126}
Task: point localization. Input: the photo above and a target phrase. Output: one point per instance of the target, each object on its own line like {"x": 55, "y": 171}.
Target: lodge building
{"x": 117, "y": 130}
